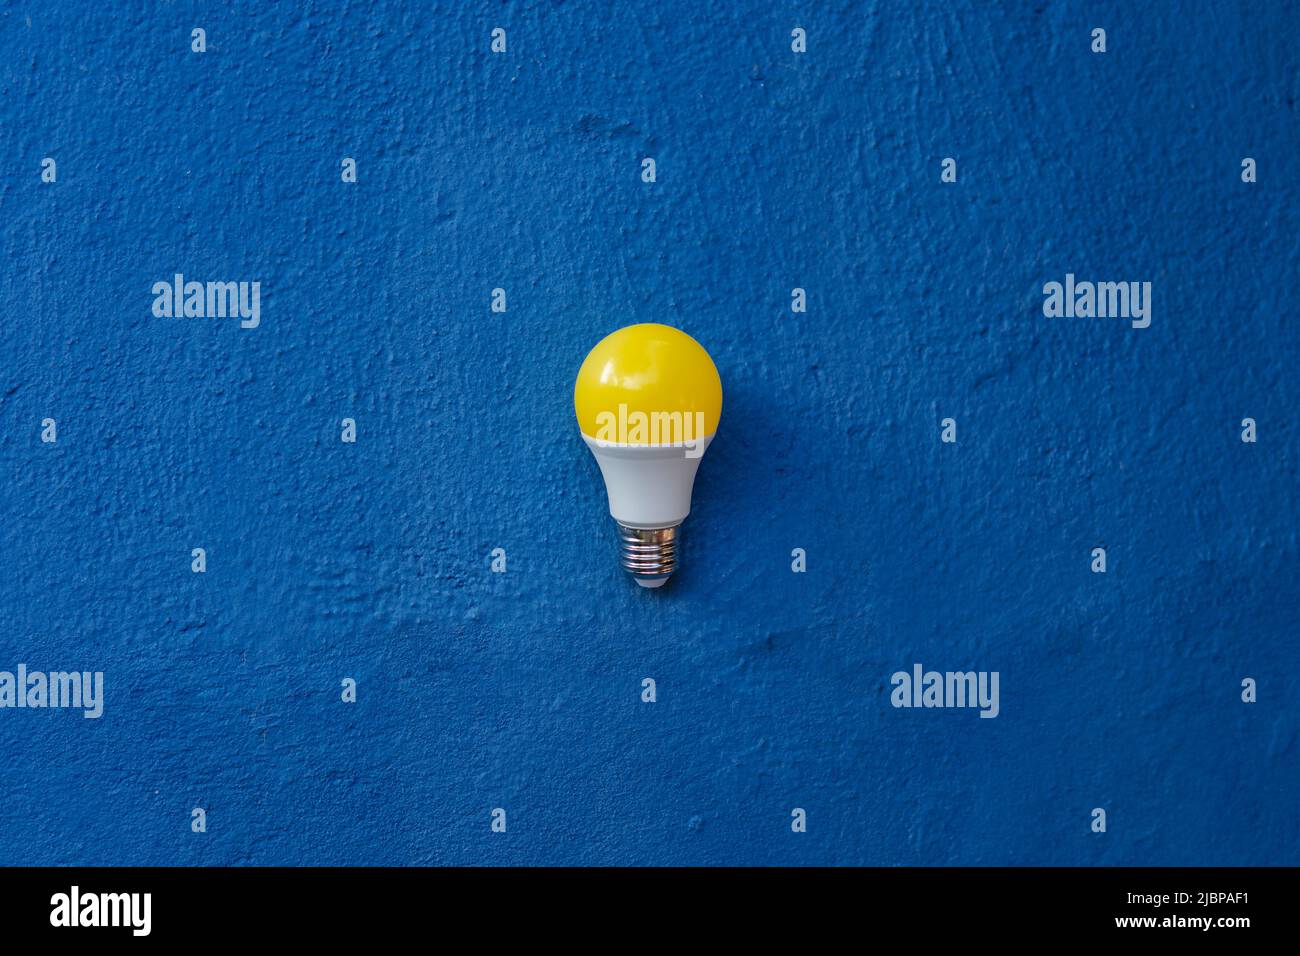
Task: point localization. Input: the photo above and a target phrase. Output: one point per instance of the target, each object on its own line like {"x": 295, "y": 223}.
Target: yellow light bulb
{"x": 648, "y": 400}
{"x": 650, "y": 368}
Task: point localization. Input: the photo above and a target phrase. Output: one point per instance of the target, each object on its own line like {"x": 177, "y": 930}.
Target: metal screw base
{"x": 648, "y": 554}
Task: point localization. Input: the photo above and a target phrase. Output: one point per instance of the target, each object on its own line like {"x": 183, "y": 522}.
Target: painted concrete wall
{"x": 775, "y": 170}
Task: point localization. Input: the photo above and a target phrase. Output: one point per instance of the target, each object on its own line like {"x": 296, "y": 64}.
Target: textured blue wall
{"x": 522, "y": 690}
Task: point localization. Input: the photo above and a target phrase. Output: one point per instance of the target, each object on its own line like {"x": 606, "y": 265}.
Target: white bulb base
{"x": 649, "y": 488}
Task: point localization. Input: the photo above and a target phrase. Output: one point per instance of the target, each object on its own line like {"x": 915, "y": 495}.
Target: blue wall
{"x": 521, "y": 690}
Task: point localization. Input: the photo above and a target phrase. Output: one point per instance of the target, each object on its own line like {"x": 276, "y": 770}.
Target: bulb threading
{"x": 648, "y": 554}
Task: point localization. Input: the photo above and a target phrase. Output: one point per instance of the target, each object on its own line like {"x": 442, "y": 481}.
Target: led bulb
{"x": 648, "y": 399}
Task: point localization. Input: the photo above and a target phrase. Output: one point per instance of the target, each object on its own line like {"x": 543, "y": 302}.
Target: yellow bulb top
{"x": 650, "y": 369}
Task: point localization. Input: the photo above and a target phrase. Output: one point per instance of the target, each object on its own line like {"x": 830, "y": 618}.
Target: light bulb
{"x": 648, "y": 399}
